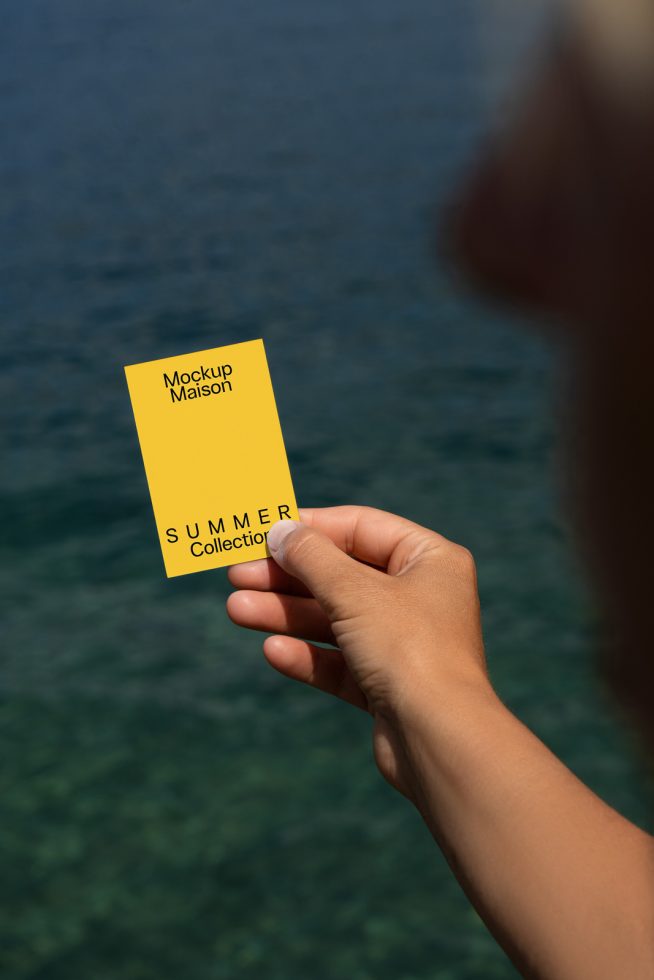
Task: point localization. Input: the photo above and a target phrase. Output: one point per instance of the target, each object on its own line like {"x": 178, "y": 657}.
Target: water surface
{"x": 181, "y": 176}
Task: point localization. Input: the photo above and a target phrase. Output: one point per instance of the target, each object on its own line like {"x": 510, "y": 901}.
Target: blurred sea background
{"x": 178, "y": 176}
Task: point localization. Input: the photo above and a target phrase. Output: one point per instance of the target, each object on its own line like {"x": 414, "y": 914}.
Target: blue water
{"x": 177, "y": 176}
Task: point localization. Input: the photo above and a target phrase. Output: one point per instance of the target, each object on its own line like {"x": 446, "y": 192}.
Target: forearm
{"x": 564, "y": 882}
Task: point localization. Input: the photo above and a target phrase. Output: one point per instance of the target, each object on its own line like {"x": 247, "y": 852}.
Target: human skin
{"x": 564, "y": 882}
{"x": 557, "y": 216}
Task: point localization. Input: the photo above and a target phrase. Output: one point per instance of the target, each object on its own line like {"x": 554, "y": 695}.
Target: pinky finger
{"x": 319, "y": 667}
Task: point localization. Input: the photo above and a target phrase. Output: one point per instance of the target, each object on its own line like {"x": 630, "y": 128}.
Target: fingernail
{"x": 278, "y": 533}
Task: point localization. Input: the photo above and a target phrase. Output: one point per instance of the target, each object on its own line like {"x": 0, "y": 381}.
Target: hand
{"x": 397, "y": 601}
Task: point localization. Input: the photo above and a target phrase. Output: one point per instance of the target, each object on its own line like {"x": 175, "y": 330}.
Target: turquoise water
{"x": 180, "y": 176}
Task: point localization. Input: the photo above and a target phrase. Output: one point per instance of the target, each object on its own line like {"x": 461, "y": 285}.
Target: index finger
{"x": 366, "y": 533}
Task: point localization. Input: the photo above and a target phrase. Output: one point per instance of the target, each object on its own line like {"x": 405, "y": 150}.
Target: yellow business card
{"x": 214, "y": 454}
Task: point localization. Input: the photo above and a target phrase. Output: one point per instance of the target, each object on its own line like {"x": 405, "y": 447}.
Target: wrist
{"x": 440, "y": 728}
{"x": 423, "y": 706}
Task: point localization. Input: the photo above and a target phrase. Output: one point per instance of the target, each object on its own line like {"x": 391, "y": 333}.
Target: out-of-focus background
{"x": 177, "y": 176}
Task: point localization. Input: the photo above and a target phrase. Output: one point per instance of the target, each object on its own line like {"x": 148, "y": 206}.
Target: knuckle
{"x": 302, "y": 542}
{"x": 464, "y": 561}
{"x": 296, "y": 543}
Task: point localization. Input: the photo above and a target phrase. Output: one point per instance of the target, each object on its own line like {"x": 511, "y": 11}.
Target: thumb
{"x": 312, "y": 557}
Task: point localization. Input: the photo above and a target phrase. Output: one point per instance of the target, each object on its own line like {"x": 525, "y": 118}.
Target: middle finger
{"x": 274, "y": 612}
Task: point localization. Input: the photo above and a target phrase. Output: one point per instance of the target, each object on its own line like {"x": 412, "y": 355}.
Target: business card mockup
{"x": 214, "y": 454}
